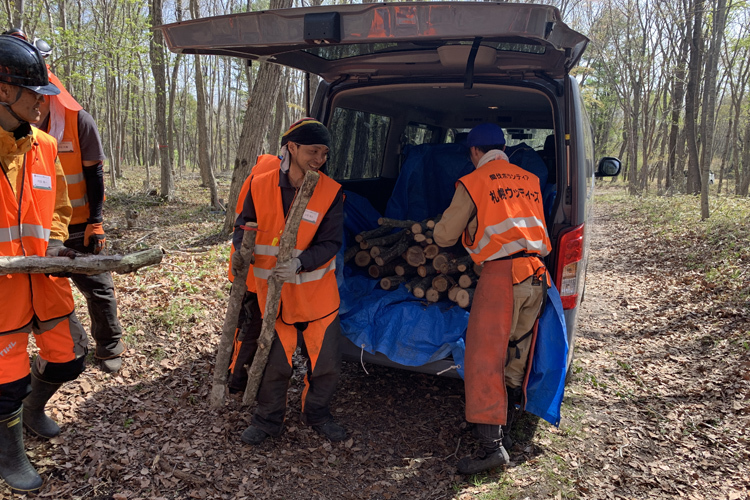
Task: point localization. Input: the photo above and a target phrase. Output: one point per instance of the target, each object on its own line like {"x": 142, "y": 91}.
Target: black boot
{"x": 491, "y": 453}
{"x": 515, "y": 398}
{"x": 34, "y": 417}
{"x": 15, "y": 467}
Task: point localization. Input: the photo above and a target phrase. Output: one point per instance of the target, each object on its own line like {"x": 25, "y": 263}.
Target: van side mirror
{"x": 608, "y": 167}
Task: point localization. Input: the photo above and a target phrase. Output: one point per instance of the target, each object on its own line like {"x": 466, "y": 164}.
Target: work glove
{"x": 287, "y": 270}
{"x": 55, "y": 248}
{"x": 94, "y": 238}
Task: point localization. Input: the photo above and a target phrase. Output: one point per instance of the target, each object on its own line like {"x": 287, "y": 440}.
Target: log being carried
{"x": 89, "y": 264}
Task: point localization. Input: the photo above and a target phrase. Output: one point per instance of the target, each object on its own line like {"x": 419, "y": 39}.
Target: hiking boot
{"x": 254, "y": 435}
{"x": 484, "y": 459}
{"x": 330, "y": 429}
{"x": 112, "y": 365}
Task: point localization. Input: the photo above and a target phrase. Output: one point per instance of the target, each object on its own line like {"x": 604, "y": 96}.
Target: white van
{"x": 398, "y": 78}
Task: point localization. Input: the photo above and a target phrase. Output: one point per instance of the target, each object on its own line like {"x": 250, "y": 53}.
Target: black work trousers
{"x": 320, "y": 380}
{"x": 99, "y": 291}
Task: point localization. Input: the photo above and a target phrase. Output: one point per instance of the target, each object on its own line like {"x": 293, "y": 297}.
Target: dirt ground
{"x": 657, "y": 405}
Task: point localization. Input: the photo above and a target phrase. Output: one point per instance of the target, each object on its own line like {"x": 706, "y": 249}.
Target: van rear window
{"x": 336, "y": 52}
{"x": 357, "y": 144}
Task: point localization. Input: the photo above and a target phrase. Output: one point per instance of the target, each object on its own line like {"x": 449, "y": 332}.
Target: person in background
{"x": 308, "y": 313}
{"x": 81, "y": 154}
{"x": 497, "y": 213}
{"x": 33, "y": 222}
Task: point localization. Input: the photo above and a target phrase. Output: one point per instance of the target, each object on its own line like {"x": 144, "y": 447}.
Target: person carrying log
{"x": 81, "y": 154}
{"x": 497, "y": 211}
{"x": 33, "y": 221}
{"x": 308, "y": 312}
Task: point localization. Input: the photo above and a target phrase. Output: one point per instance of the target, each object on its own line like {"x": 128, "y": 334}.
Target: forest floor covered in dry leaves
{"x": 658, "y": 404}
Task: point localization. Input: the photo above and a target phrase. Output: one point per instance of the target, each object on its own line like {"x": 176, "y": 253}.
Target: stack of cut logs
{"x": 403, "y": 251}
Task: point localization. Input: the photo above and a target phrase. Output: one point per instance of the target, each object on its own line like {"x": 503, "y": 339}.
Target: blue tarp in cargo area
{"x": 410, "y": 333}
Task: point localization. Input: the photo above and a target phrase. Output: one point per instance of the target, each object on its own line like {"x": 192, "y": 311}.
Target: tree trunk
{"x": 158, "y": 68}
{"x": 709, "y": 100}
{"x": 691, "y": 99}
{"x": 258, "y": 118}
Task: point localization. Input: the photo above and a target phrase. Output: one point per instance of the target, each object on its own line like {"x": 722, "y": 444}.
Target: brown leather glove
{"x": 94, "y": 238}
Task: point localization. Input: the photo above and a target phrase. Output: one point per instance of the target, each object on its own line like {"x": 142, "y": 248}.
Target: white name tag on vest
{"x": 65, "y": 147}
{"x": 40, "y": 181}
{"x": 310, "y": 216}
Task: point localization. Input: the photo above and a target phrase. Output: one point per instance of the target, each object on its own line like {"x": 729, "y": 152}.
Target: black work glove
{"x": 55, "y": 248}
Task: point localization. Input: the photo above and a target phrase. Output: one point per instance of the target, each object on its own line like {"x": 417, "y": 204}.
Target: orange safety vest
{"x": 265, "y": 163}
{"x": 510, "y": 216}
{"x": 25, "y": 225}
{"x": 313, "y": 294}
{"x": 69, "y": 152}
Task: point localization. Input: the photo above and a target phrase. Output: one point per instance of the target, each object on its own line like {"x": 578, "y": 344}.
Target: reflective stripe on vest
{"x": 23, "y": 295}
{"x": 510, "y": 216}
{"x": 70, "y": 157}
{"x": 309, "y": 295}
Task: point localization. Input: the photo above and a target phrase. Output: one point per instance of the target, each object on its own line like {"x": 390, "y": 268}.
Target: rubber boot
{"x": 34, "y": 417}
{"x": 15, "y": 467}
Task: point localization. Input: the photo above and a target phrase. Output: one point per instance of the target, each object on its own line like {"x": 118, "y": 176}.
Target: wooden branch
{"x": 415, "y": 256}
{"x": 426, "y": 270}
{"x": 391, "y": 253}
{"x": 391, "y": 282}
{"x": 385, "y": 221}
{"x": 464, "y": 297}
{"x": 350, "y": 253}
{"x": 404, "y": 269}
{"x": 286, "y": 245}
{"x": 433, "y": 295}
{"x": 441, "y": 261}
{"x": 452, "y": 293}
{"x": 362, "y": 259}
{"x": 412, "y": 283}
{"x": 373, "y": 233}
{"x": 420, "y": 288}
{"x": 88, "y": 264}
{"x": 456, "y": 265}
{"x": 239, "y": 287}
{"x": 442, "y": 282}
{"x": 376, "y": 271}
{"x": 468, "y": 279}
{"x": 431, "y": 222}
{"x": 382, "y": 241}
{"x": 431, "y": 251}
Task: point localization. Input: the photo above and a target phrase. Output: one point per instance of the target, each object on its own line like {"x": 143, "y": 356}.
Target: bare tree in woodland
{"x": 713, "y": 55}
{"x": 691, "y": 96}
{"x": 158, "y": 68}
{"x": 204, "y": 161}
{"x": 257, "y": 120}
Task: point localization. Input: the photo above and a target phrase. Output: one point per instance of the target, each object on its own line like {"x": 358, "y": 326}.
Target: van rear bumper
{"x": 351, "y": 352}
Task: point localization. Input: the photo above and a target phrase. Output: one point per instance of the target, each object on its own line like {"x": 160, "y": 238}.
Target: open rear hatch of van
{"x": 408, "y": 39}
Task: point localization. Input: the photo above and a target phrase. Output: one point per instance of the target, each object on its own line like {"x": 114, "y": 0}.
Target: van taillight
{"x": 569, "y": 255}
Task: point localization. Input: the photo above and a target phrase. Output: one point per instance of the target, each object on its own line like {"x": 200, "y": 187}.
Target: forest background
{"x": 666, "y": 84}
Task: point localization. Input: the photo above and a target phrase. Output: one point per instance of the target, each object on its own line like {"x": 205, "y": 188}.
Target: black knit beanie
{"x": 307, "y": 131}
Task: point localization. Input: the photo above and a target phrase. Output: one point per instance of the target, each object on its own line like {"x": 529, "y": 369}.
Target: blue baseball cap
{"x": 485, "y": 134}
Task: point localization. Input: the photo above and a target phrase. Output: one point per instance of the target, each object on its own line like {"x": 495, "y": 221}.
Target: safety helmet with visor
{"x": 22, "y": 65}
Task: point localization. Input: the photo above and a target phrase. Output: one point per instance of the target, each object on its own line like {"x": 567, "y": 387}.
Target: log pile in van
{"x": 403, "y": 252}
